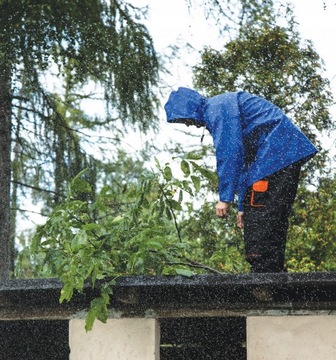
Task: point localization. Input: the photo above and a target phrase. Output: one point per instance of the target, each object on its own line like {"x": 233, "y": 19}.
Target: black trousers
{"x": 267, "y": 206}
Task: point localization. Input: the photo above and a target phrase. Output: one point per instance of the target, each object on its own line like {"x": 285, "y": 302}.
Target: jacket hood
{"x": 185, "y": 104}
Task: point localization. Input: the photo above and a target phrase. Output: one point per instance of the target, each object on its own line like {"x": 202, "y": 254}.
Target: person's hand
{"x": 240, "y": 219}
{"x": 222, "y": 209}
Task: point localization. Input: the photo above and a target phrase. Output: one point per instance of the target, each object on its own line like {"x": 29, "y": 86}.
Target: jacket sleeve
{"x": 228, "y": 142}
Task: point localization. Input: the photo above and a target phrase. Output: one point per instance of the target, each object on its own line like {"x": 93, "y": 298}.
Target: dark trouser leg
{"x": 266, "y": 220}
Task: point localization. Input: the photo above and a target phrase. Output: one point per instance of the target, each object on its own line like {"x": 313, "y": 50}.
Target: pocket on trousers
{"x": 259, "y": 190}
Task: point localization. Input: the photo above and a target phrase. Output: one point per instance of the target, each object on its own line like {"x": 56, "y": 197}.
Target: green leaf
{"x": 79, "y": 241}
{"x": 167, "y": 173}
{"x": 184, "y": 272}
{"x": 98, "y": 310}
{"x": 210, "y": 175}
{"x": 157, "y": 162}
{"x": 185, "y": 167}
{"x": 196, "y": 181}
{"x": 175, "y": 205}
{"x": 66, "y": 292}
{"x": 139, "y": 266}
{"x": 169, "y": 214}
{"x": 91, "y": 226}
{"x": 90, "y": 318}
{"x": 186, "y": 187}
{"x": 193, "y": 156}
{"x": 118, "y": 219}
{"x": 100, "y": 276}
{"x": 48, "y": 242}
{"x": 180, "y": 199}
{"x": 80, "y": 185}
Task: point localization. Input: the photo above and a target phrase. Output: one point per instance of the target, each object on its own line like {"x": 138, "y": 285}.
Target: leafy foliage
{"x": 86, "y": 241}
{"x": 312, "y": 245}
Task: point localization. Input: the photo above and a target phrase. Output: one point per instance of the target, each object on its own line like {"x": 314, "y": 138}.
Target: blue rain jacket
{"x": 253, "y": 138}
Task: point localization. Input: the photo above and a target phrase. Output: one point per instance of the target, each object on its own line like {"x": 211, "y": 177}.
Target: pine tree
{"x": 90, "y": 40}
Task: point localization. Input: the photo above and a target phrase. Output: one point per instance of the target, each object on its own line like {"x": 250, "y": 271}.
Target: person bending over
{"x": 259, "y": 154}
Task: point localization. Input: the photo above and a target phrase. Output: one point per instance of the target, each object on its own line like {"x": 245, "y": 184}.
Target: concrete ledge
{"x": 117, "y": 339}
{"x": 162, "y": 295}
{"x": 304, "y": 337}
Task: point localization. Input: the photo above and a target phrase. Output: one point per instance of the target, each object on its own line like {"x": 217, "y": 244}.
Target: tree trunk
{"x": 5, "y": 172}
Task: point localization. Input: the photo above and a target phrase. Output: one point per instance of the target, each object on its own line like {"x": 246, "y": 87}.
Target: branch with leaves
{"x": 88, "y": 240}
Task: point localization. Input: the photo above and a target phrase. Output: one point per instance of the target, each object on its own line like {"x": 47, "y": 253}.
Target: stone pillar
{"x": 124, "y": 339}
{"x": 291, "y": 337}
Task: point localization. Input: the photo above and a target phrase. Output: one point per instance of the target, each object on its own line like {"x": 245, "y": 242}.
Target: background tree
{"x": 272, "y": 61}
{"x": 93, "y": 41}
{"x": 132, "y": 232}
{"x": 312, "y": 246}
